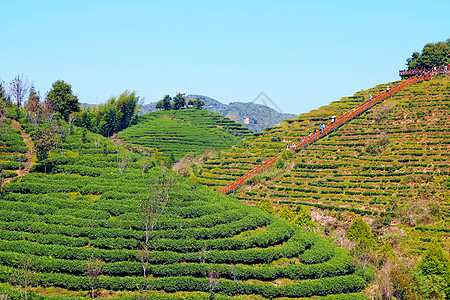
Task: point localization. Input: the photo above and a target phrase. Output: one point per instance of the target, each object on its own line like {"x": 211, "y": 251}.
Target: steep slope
{"x": 177, "y": 133}
{"x": 391, "y": 163}
{"x": 89, "y": 207}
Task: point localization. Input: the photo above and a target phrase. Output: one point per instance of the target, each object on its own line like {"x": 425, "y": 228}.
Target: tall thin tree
{"x": 19, "y": 87}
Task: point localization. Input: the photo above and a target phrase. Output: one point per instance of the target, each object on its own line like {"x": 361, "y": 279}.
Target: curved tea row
{"x": 86, "y": 208}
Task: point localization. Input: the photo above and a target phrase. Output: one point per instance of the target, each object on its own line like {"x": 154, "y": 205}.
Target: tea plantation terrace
{"x": 89, "y": 207}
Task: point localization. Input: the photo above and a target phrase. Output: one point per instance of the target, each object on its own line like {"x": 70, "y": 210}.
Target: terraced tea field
{"x": 390, "y": 162}
{"x": 88, "y": 206}
{"x": 13, "y": 150}
{"x": 177, "y": 133}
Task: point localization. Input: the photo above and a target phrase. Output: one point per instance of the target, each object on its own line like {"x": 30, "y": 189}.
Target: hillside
{"x": 178, "y": 133}
{"x": 89, "y": 210}
{"x": 389, "y": 164}
{"x": 259, "y": 116}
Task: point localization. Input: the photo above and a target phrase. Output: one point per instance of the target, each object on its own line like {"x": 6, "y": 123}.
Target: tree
{"x": 360, "y": 232}
{"x": 23, "y": 276}
{"x": 179, "y": 102}
{"x": 286, "y": 213}
{"x": 92, "y": 269}
{"x": 34, "y": 108}
{"x": 433, "y": 273}
{"x": 266, "y": 205}
{"x": 433, "y": 55}
{"x": 4, "y": 98}
{"x": 304, "y": 218}
{"x": 152, "y": 208}
{"x": 199, "y": 103}
{"x": 127, "y": 108}
{"x": 19, "y": 88}
{"x": 3, "y": 95}
{"x": 45, "y": 140}
{"x": 435, "y": 261}
{"x": 165, "y": 103}
{"x": 64, "y": 101}
{"x": 61, "y": 130}
{"x": 214, "y": 279}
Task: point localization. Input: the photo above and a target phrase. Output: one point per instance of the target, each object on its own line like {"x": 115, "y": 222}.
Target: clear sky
{"x": 302, "y": 54}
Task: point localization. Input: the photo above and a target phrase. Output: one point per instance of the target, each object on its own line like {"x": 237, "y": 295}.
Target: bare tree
{"x": 204, "y": 253}
{"x": 93, "y": 269}
{"x": 23, "y": 276}
{"x": 21, "y": 160}
{"x": 151, "y": 209}
{"x": 72, "y": 118}
{"x": 122, "y": 162}
{"x": 234, "y": 272}
{"x": 153, "y": 206}
{"x": 143, "y": 255}
{"x": 19, "y": 87}
{"x": 62, "y": 134}
{"x": 97, "y": 142}
{"x": 214, "y": 279}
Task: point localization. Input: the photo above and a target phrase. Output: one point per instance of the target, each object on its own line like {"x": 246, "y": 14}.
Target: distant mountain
{"x": 254, "y": 116}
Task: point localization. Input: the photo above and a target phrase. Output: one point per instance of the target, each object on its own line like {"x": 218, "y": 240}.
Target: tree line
{"x": 432, "y": 55}
{"x": 178, "y": 102}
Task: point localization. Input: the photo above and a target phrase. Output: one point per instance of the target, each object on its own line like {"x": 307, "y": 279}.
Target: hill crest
{"x": 254, "y": 116}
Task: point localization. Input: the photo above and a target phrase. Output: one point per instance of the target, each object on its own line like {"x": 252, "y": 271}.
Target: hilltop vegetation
{"x": 115, "y": 115}
{"x": 432, "y": 55}
{"x": 177, "y": 133}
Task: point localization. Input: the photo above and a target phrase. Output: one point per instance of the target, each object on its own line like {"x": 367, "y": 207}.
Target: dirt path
{"x": 30, "y": 153}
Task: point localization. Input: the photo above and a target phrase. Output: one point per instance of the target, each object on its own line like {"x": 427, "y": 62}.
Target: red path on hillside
{"x": 339, "y": 121}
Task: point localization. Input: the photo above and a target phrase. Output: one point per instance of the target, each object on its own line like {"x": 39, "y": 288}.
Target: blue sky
{"x": 302, "y": 54}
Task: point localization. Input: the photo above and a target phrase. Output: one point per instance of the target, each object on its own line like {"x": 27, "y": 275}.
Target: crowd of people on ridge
{"x": 425, "y": 71}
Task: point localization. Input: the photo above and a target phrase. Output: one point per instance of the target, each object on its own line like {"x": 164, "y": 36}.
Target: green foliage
{"x": 45, "y": 140}
{"x": 286, "y": 214}
{"x": 165, "y": 103}
{"x": 304, "y": 218}
{"x": 266, "y": 205}
{"x": 433, "y": 55}
{"x": 63, "y": 99}
{"x": 5, "y": 101}
{"x": 435, "y": 261}
{"x": 179, "y": 101}
{"x": 197, "y": 103}
{"x": 360, "y": 232}
{"x": 114, "y": 116}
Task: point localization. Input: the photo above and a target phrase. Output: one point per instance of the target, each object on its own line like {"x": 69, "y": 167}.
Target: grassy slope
{"x": 409, "y": 179}
{"x": 87, "y": 208}
{"x": 185, "y": 131}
